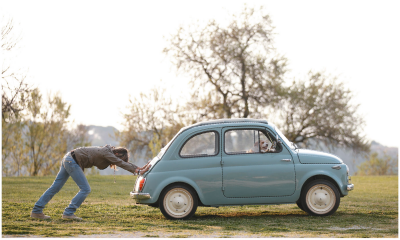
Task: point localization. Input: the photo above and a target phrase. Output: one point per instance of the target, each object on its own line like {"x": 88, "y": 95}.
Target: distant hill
{"x": 380, "y": 149}
{"x": 101, "y": 136}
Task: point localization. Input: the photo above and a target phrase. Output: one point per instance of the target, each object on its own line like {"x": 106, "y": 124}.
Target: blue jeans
{"x": 68, "y": 168}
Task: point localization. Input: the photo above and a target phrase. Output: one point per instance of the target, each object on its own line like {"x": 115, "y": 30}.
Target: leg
{"x": 58, "y": 183}
{"x": 79, "y": 177}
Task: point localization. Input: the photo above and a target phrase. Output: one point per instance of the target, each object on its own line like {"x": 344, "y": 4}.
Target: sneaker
{"x": 73, "y": 217}
{"x": 39, "y": 216}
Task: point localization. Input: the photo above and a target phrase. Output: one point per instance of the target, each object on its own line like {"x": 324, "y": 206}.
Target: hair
{"x": 121, "y": 153}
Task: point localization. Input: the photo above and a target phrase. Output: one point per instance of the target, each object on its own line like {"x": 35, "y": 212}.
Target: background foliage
{"x": 34, "y": 141}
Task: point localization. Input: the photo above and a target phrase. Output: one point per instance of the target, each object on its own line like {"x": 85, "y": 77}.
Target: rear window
{"x": 201, "y": 145}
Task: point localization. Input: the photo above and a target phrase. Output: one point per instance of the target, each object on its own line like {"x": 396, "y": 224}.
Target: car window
{"x": 204, "y": 144}
{"x": 246, "y": 141}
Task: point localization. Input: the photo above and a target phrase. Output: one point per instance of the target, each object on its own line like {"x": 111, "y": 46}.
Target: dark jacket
{"x": 101, "y": 157}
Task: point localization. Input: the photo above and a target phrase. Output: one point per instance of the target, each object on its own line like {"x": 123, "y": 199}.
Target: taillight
{"x": 141, "y": 184}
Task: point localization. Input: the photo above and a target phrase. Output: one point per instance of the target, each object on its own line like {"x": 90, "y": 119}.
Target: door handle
{"x": 286, "y": 160}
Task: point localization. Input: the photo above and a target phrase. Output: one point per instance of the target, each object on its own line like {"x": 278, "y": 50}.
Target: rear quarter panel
{"x": 203, "y": 177}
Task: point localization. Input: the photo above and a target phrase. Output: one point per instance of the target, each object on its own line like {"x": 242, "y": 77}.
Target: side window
{"x": 250, "y": 141}
{"x": 201, "y": 145}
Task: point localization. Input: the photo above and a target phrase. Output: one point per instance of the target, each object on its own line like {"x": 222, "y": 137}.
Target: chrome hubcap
{"x": 320, "y": 199}
{"x": 178, "y": 202}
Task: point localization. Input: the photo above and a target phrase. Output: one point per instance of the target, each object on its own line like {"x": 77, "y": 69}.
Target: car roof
{"x": 227, "y": 121}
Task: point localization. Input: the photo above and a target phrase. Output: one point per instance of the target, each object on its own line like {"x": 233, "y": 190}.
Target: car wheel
{"x": 178, "y": 202}
{"x": 300, "y": 205}
{"x": 320, "y": 198}
{"x": 155, "y": 205}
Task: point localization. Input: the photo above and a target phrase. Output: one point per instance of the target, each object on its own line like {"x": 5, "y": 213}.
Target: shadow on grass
{"x": 243, "y": 216}
{"x": 275, "y": 222}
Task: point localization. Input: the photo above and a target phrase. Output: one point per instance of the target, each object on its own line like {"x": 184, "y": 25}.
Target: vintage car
{"x": 231, "y": 162}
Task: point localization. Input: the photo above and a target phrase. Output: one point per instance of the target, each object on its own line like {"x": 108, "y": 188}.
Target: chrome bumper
{"x": 350, "y": 187}
{"x": 140, "y": 196}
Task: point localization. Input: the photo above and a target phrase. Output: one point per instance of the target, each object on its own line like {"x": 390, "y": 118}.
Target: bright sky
{"x": 97, "y": 53}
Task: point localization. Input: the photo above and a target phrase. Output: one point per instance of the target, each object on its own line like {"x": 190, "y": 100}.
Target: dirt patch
{"x": 353, "y": 227}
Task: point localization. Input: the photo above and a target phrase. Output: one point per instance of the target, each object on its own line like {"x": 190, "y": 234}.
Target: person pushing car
{"x": 73, "y": 164}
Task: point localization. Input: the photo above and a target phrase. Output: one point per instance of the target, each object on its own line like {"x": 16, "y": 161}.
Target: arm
{"x": 120, "y": 163}
{"x": 126, "y": 165}
{"x": 143, "y": 169}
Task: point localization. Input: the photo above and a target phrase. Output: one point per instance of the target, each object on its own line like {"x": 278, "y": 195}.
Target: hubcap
{"x": 320, "y": 199}
{"x": 178, "y": 202}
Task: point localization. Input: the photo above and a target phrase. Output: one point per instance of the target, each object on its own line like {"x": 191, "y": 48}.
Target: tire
{"x": 178, "y": 202}
{"x": 300, "y": 205}
{"x": 155, "y": 205}
{"x": 320, "y": 198}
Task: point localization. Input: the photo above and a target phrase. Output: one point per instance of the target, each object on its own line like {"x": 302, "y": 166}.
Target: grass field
{"x": 371, "y": 210}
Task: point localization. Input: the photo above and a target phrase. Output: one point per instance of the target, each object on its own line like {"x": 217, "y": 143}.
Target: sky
{"x": 98, "y": 53}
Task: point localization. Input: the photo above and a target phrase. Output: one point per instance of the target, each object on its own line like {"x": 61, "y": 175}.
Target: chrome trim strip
{"x": 337, "y": 167}
{"x": 350, "y": 187}
{"x": 286, "y": 160}
{"x": 140, "y": 196}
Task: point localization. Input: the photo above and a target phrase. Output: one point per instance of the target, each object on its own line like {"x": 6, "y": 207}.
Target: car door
{"x": 247, "y": 171}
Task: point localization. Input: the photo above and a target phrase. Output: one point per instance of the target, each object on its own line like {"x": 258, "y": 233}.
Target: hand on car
{"x": 144, "y": 169}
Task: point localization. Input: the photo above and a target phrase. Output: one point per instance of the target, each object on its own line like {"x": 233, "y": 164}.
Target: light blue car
{"x": 240, "y": 162}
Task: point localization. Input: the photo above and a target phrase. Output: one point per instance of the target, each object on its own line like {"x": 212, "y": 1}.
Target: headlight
{"x": 348, "y": 176}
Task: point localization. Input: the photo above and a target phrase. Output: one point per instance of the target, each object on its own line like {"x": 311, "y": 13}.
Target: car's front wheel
{"x": 320, "y": 198}
{"x": 178, "y": 202}
{"x": 300, "y": 205}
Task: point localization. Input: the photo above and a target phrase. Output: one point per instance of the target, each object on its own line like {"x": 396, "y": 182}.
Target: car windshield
{"x": 289, "y": 143}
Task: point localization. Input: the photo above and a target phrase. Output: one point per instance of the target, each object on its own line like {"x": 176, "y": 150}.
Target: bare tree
{"x": 235, "y": 73}
{"x": 13, "y": 150}
{"x": 151, "y": 122}
{"x": 236, "y": 60}
{"x": 15, "y": 90}
{"x": 45, "y": 132}
{"x": 35, "y": 144}
{"x": 77, "y": 137}
{"x": 322, "y": 109}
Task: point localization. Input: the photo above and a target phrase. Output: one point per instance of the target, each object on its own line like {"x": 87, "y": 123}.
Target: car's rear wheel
{"x": 320, "y": 198}
{"x": 178, "y": 202}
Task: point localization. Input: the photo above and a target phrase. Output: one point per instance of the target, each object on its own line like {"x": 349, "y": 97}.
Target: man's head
{"x": 121, "y": 153}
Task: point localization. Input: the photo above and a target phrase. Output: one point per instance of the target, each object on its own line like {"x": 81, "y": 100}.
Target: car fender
{"x": 320, "y": 172}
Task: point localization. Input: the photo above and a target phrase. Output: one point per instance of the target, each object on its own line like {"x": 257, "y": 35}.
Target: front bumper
{"x": 140, "y": 196}
{"x": 350, "y": 187}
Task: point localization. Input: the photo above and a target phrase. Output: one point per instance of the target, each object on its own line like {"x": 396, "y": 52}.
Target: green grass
{"x": 371, "y": 210}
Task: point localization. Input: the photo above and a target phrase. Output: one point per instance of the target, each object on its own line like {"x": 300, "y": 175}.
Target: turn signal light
{"x": 141, "y": 184}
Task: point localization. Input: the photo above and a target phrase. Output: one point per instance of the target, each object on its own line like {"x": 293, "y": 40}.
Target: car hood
{"x": 311, "y": 156}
